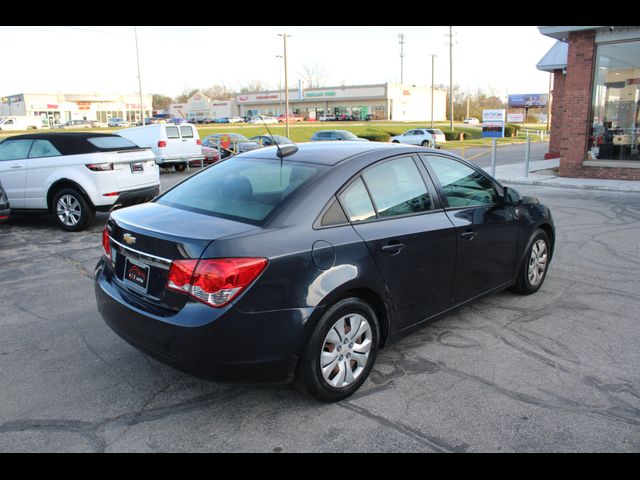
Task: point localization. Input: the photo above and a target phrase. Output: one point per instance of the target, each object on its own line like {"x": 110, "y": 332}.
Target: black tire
{"x": 309, "y": 377}
{"x": 395, "y": 141}
{"x": 523, "y": 285}
{"x": 180, "y": 167}
{"x": 425, "y": 143}
{"x": 86, "y": 211}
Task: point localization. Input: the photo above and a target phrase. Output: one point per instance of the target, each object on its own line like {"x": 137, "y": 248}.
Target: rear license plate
{"x": 137, "y": 167}
{"x": 136, "y": 274}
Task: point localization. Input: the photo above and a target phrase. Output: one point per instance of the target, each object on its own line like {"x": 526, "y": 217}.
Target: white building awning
{"x": 555, "y": 58}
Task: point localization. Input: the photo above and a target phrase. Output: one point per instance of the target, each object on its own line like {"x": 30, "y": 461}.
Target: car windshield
{"x": 244, "y": 189}
{"x": 348, "y": 135}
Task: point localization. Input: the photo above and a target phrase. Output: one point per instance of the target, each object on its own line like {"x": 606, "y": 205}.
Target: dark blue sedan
{"x": 268, "y": 269}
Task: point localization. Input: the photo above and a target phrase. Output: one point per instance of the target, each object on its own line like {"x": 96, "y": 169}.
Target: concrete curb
{"x": 550, "y": 182}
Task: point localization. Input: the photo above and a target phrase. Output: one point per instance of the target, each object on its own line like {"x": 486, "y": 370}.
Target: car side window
{"x": 172, "y": 132}
{"x": 397, "y": 188}
{"x": 186, "y": 132}
{"x": 355, "y": 199}
{"x": 43, "y": 148}
{"x": 463, "y": 186}
{"x": 14, "y": 149}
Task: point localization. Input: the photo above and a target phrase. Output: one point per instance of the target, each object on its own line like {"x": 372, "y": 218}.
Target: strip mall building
{"x": 56, "y": 108}
{"x": 380, "y": 102}
{"x": 595, "y": 111}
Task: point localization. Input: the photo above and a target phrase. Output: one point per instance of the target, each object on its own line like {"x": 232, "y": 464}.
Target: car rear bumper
{"x": 225, "y": 345}
{"x": 132, "y": 197}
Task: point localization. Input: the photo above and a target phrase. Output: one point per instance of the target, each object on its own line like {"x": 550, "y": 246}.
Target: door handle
{"x": 470, "y": 235}
{"x": 16, "y": 166}
{"x": 393, "y": 248}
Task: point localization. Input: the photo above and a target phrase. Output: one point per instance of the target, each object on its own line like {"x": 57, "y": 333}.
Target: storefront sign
{"x": 321, "y": 94}
{"x": 84, "y": 105}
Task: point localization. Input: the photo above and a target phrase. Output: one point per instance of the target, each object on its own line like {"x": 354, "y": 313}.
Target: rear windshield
{"x": 112, "y": 143}
{"x": 244, "y": 189}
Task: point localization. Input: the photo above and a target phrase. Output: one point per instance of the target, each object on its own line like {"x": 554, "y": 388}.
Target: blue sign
{"x": 493, "y": 123}
{"x": 528, "y": 100}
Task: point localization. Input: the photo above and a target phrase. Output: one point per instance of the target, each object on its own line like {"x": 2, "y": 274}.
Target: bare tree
{"x": 254, "y": 85}
{"x": 219, "y": 92}
{"x": 186, "y": 94}
{"x": 314, "y": 76}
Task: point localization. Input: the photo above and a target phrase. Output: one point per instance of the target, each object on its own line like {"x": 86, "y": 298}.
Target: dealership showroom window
{"x": 616, "y": 102}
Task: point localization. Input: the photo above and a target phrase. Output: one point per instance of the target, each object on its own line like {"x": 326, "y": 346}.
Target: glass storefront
{"x": 615, "y": 128}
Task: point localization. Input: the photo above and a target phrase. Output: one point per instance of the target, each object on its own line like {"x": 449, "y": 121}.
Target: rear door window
{"x": 397, "y": 188}
{"x": 357, "y": 203}
{"x": 186, "y": 132}
{"x": 43, "y": 148}
{"x": 172, "y": 132}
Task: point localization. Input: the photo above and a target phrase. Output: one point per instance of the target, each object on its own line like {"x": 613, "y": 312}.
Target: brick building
{"x": 595, "y": 110}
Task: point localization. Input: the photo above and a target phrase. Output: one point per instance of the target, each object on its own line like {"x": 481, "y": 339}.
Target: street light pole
{"x": 286, "y": 85}
{"x": 280, "y": 83}
{"x": 135, "y": 32}
{"x": 433, "y": 58}
{"x": 401, "y": 42}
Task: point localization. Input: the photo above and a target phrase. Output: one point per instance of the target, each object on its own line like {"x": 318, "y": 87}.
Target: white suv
{"x": 73, "y": 175}
{"x": 418, "y": 136}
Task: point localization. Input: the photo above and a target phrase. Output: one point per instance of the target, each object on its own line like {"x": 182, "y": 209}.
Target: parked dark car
{"x": 333, "y": 135}
{"x": 261, "y": 269}
{"x": 238, "y": 143}
{"x": 5, "y": 210}
{"x": 268, "y": 140}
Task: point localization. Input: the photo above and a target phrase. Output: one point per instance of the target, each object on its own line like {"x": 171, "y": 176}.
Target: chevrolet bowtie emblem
{"x": 130, "y": 239}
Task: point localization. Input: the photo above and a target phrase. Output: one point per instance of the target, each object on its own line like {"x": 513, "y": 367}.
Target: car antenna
{"x": 282, "y": 152}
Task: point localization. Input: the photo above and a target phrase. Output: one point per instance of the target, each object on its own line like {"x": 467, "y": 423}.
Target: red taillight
{"x": 99, "y": 167}
{"x": 162, "y": 143}
{"x": 199, "y": 142}
{"x": 111, "y": 194}
{"x": 105, "y": 242}
{"x": 214, "y": 281}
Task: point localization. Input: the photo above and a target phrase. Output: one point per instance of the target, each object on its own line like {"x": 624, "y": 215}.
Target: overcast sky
{"x": 103, "y": 59}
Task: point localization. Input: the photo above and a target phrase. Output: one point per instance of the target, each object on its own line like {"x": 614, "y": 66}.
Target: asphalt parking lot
{"x": 554, "y": 371}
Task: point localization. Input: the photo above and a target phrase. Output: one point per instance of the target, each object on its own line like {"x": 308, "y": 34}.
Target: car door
{"x": 39, "y": 167}
{"x": 486, "y": 228}
{"x": 174, "y": 142}
{"x": 408, "y": 137}
{"x": 13, "y": 169}
{"x": 409, "y": 236}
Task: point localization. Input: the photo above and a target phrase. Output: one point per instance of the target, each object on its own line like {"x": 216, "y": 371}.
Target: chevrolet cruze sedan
{"x": 299, "y": 268}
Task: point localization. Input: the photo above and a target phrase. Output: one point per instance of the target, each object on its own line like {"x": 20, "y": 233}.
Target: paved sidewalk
{"x": 539, "y": 175}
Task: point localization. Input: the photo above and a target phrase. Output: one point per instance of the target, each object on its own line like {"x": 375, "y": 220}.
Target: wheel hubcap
{"x": 346, "y": 350}
{"x": 68, "y": 210}
{"x": 537, "y": 263}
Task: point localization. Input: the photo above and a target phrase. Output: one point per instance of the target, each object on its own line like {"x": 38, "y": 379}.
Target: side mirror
{"x": 509, "y": 196}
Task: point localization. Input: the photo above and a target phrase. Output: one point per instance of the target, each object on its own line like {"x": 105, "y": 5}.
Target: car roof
{"x": 68, "y": 143}
{"x": 326, "y": 153}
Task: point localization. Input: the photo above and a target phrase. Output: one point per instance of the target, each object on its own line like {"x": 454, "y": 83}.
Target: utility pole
{"x": 135, "y": 33}
{"x": 467, "y": 104}
{"x": 286, "y": 85}
{"x": 401, "y": 42}
{"x": 451, "y": 76}
{"x": 433, "y": 58}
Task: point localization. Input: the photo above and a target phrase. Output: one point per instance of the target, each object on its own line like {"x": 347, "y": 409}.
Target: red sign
{"x": 243, "y": 98}
{"x": 53, "y": 107}
{"x": 84, "y": 105}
